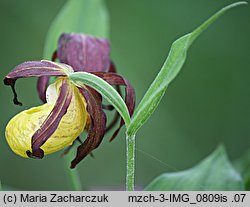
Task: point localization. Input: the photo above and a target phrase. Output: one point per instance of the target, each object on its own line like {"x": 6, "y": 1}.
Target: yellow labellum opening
{"x": 22, "y": 127}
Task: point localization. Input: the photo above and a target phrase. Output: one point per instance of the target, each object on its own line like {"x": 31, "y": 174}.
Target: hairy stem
{"x": 130, "y": 179}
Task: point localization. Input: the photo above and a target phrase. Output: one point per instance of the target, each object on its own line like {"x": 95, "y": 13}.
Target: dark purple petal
{"x": 97, "y": 124}
{"x": 112, "y": 69}
{"x": 84, "y": 53}
{"x": 54, "y": 56}
{"x": 42, "y": 84}
{"x": 66, "y": 151}
{"x": 15, "y": 100}
{"x": 51, "y": 123}
{"x": 33, "y": 69}
{"x": 114, "y": 79}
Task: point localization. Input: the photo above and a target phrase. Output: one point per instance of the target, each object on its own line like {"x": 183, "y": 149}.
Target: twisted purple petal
{"x": 51, "y": 123}
{"x": 114, "y": 79}
{"x": 97, "y": 124}
{"x": 33, "y": 69}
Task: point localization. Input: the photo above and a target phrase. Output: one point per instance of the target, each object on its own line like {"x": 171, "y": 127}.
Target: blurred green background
{"x": 207, "y": 104}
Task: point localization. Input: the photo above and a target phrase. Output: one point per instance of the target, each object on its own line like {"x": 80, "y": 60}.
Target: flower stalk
{"x": 130, "y": 160}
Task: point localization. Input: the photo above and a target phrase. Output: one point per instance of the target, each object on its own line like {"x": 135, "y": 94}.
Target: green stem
{"x": 130, "y": 179}
{"x": 73, "y": 175}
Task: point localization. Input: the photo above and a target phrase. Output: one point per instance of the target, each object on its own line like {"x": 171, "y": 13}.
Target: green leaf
{"x": 80, "y": 16}
{"x": 0, "y": 186}
{"x": 106, "y": 90}
{"x": 168, "y": 72}
{"x": 214, "y": 173}
{"x": 243, "y": 166}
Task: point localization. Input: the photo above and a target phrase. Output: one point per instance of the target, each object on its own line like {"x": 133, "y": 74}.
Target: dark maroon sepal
{"x": 33, "y": 69}
{"x": 38, "y": 154}
{"x": 97, "y": 125}
{"x": 84, "y": 52}
{"x": 11, "y": 83}
{"x": 115, "y": 79}
{"x": 42, "y": 84}
{"x": 51, "y": 123}
{"x": 112, "y": 123}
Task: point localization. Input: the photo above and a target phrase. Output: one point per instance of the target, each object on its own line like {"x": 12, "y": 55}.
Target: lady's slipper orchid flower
{"x": 67, "y": 110}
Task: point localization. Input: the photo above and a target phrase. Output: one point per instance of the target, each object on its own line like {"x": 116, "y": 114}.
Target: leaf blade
{"x": 243, "y": 166}
{"x": 106, "y": 90}
{"x": 77, "y": 16}
{"x": 169, "y": 71}
{"x": 213, "y": 173}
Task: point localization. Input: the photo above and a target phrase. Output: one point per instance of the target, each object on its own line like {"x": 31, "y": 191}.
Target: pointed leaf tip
{"x": 170, "y": 69}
